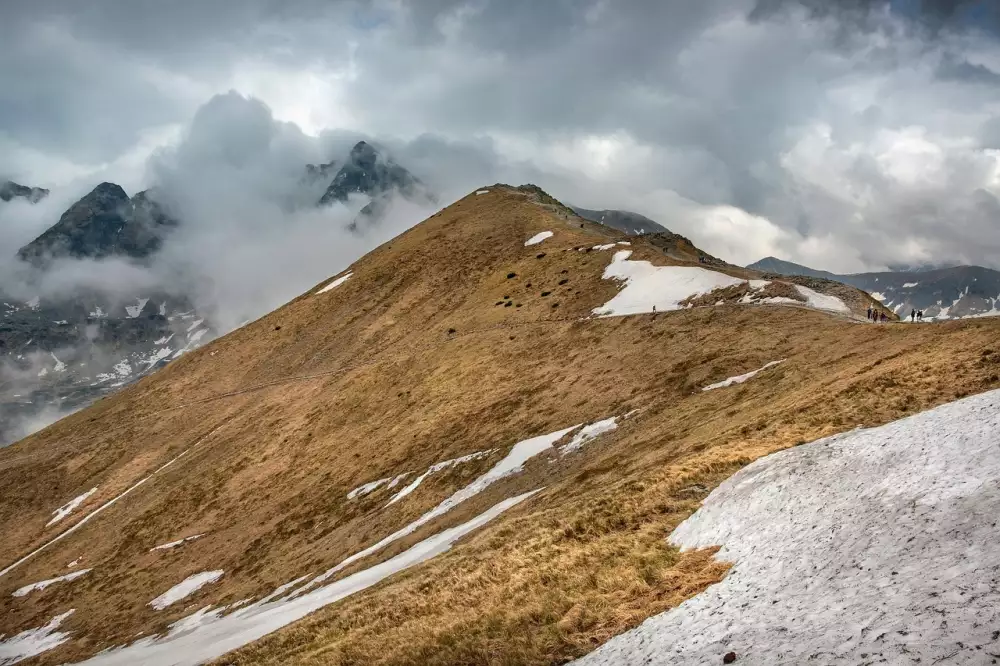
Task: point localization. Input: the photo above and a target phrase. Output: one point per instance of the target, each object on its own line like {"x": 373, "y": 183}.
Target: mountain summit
{"x": 103, "y": 223}
{"x": 366, "y": 171}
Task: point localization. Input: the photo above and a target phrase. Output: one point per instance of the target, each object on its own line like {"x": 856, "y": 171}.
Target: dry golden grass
{"x": 410, "y": 362}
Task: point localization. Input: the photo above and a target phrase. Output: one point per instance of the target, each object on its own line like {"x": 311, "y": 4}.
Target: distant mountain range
{"x": 942, "y": 293}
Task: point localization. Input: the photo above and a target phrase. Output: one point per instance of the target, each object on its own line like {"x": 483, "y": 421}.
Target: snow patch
{"x": 603, "y": 247}
{"x": 174, "y": 544}
{"x": 538, "y": 238}
{"x": 33, "y": 642}
{"x": 814, "y": 299}
{"x": 660, "y": 287}
{"x": 133, "y": 311}
{"x": 873, "y": 546}
{"x": 910, "y": 284}
{"x": 185, "y": 588}
{"x": 196, "y": 324}
{"x": 436, "y": 467}
{"x": 739, "y": 379}
{"x": 68, "y": 507}
{"x": 41, "y": 585}
{"x": 336, "y": 283}
{"x": 587, "y": 433}
{"x": 59, "y": 366}
{"x": 478, "y": 192}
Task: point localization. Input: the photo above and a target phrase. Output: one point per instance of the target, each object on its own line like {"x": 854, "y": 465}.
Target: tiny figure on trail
{"x": 913, "y": 315}
{"x": 654, "y": 310}
{"x": 885, "y": 317}
{"x": 920, "y": 315}
{"x": 869, "y": 313}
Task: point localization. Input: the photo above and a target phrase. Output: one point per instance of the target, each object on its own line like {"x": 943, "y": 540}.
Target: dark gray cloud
{"x": 851, "y": 134}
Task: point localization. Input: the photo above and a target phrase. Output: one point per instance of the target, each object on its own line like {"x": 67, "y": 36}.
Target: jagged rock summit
{"x": 9, "y": 190}
{"x": 367, "y": 172}
{"x": 106, "y": 222}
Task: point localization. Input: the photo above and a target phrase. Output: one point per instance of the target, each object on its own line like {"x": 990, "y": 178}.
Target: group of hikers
{"x": 876, "y": 315}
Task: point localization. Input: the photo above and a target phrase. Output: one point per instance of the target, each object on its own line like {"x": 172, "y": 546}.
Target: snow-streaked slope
{"x": 32, "y": 642}
{"x": 739, "y": 379}
{"x": 207, "y": 634}
{"x": 42, "y": 584}
{"x": 661, "y": 287}
{"x": 174, "y": 544}
{"x": 538, "y": 238}
{"x": 875, "y": 546}
{"x": 185, "y": 588}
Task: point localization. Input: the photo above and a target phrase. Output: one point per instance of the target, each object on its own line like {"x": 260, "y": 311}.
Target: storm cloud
{"x": 847, "y": 135}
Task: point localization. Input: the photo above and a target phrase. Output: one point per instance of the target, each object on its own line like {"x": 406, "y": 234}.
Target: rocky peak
{"x": 103, "y": 223}
{"x": 368, "y": 172}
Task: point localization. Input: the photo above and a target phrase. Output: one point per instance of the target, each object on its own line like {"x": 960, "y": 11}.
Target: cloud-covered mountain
{"x": 10, "y": 190}
{"x": 631, "y": 223}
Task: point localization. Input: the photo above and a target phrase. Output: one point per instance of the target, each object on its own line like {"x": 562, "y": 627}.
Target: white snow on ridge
{"x": 42, "y": 584}
{"x": 814, "y": 299}
{"x": 478, "y": 192}
{"x": 208, "y": 634}
{"x": 874, "y": 546}
{"x": 336, "y": 283}
{"x": 68, "y": 507}
{"x": 739, "y": 379}
{"x": 436, "y": 467}
{"x": 660, "y": 287}
{"x": 538, "y": 238}
{"x": 185, "y": 588}
{"x": 607, "y": 246}
{"x": 31, "y": 642}
{"x": 367, "y": 488}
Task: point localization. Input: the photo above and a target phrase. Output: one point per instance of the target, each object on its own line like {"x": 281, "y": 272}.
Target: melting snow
{"x": 174, "y": 544}
{"x": 43, "y": 372}
{"x": 874, "y": 546}
{"x": 73, "y": 563}
{"x": 185, "y": 588}
{"x": 603, "y": 247}
{"x": 98, "y": 312}
{"x": 60, "y": 366}
{"x": 122, "y": 368}
{"x": 336, "y": 283}
{"x": 196, "y": 336}
{"x": 758, "y": 284}
{"x": 878, "y": 296}
{"x": 663, "y": 287}
{"x": 67, "y": 508}
{"x": 478, "y": 192}
{"x": 437, "y": 467}
{"x": 208, "y": 634}
{"x": 538, "y": 238}
{"x": 739, "y": 379}
{"x": 910, "y": 284}
{"x": 133, "y": 311}
{"x": 33, "y": 303}
{"x": 157, "y": 356}
{"x": 32, "y": 642}
{"x": 822, "y": 301}
{"x": 587, "y": 433}
{"x": 196, "y": 324}
{"x": 367, "y": 488}
{"x": 41, "y": 585}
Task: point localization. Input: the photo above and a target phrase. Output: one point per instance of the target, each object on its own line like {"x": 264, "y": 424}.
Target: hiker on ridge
{"x": 869, "y": 313}
{"x": 913, "y": 315}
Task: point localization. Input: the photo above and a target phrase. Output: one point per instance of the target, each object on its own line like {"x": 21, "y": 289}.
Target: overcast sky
{"x": 846, "y": 135}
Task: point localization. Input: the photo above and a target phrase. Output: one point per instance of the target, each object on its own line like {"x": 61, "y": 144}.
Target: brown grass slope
{"x": 415, "y": 359}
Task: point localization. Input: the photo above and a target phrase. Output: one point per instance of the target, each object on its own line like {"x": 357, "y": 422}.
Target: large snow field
{"x": 814, "y": 299}
{"x": 874, "y": 546}
{"x": 660, "y": 287}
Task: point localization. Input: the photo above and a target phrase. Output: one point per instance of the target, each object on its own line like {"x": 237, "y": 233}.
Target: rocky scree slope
{"x": 942, "y": 293}
{"x": 429, "y": 359}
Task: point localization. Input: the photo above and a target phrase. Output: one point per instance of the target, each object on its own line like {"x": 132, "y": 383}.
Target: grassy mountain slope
{"x": 416, "y": 359}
